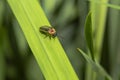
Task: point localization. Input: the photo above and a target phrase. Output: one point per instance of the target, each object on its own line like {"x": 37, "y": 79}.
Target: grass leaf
{"x": 96, "y": 67}
{"x": 88, "y": 34}
{"x": 48, "y": 52}
{"x": 106, "y": 4}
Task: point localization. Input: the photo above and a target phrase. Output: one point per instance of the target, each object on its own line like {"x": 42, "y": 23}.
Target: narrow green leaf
{"x": 48, "y": 52}
{"x": 99, "y": 13}
{"x": 88, "y": 34}
{"x": 96, "y": 66}
{"x": 107, "y": 4}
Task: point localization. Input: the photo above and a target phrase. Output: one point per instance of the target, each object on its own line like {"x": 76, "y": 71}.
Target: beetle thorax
{"x": 52, "y": 31}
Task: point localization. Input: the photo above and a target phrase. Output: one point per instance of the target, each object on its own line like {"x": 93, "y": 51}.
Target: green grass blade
{"x": 98, "y": 19}
{"x": 48, "y": 53}
{"x": 96, "y": 67}
{"x": 106, "y": 4}
{"x": 98, "y": 25}
{"x": 114, "y": 41}
{"x": 88, "y": 34}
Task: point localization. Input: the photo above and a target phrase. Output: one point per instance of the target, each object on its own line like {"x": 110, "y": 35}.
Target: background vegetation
{"x": 68, "y": 18}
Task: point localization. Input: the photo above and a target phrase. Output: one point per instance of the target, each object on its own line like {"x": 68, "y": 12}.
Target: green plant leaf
{"x": 96, "y": 67}
{"x": 106, "y": 4}
{"x": 88, "y": 34}
{"x": 48, "y": 52}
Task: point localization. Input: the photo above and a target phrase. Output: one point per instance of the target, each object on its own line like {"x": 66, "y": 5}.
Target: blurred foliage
{"x": 68, "y": 18}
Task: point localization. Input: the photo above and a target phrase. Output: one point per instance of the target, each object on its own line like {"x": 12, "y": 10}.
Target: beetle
{"x": 48, "y": 31}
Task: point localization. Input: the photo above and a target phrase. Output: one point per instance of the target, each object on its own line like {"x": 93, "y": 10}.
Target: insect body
{"x": 48, "y": 31}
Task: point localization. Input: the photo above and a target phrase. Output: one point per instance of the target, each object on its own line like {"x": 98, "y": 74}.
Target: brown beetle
{"x": 48, "y": 31}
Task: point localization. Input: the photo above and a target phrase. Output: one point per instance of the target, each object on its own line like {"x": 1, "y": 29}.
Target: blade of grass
{"x": 95, "y": 66}
{"x": 89, "y": 39}
{"x": 106, "y": 4}
{"x": 48, "y": 52}
{"x": 114, "y": 40}
{"x": 98, "y": 21}
{"x": 88, "y": 34}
